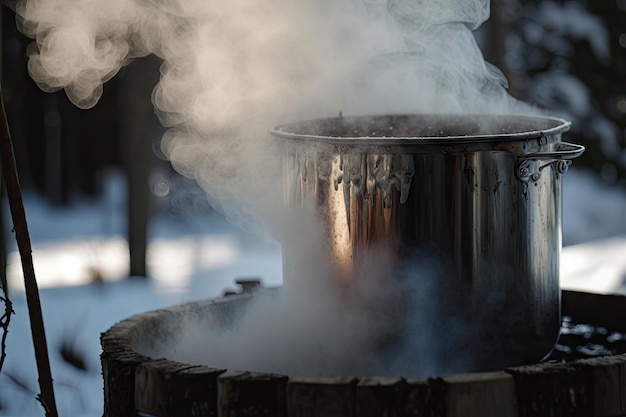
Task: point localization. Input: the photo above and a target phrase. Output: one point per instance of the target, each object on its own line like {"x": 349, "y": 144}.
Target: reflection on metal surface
{"x": 485, "y": 205}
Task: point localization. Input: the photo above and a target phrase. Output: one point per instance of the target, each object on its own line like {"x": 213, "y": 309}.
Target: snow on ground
{"x": 188, "y": 259}
{"x": 198, "y": 258}
{"x": 594, "y": 232}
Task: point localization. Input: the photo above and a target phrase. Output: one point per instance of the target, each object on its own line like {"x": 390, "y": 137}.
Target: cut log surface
{"x": 167, "y": 388}
{"x": 380, "y": 397}
{"x": 137, "y": 385}
{"x": 490, "y": 394}
{"x": 607, "y": 377}
{"x": 318, "y": 397}
{"x": 248, "y": 394}
{"x": 119, "y": 361}
{"x": 551, "y": 390}
{"x": 424, "y": 397}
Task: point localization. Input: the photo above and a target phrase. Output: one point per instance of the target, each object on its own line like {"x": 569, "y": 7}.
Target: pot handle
{"x": 562, "y": 151}
{"x": 562, "y": 154}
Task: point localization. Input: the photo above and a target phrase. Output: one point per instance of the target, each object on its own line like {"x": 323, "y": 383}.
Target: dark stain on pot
{"x": 495, "y": 189}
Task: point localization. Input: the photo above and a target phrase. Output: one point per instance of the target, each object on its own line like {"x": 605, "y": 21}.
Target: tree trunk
{"x": 498, "y": 28}
{"x": 137, "y": 120}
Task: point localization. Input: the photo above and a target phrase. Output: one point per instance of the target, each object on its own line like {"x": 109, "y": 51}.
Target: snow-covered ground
{"x": 198, "y": 258}
{"x": 594, "y": 235}
{"x": 188, "y": 259}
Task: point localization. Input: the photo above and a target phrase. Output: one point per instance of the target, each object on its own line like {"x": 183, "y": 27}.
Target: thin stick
{"x": 16, "y": 204}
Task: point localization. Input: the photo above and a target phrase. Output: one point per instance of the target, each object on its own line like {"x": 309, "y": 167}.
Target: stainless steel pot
{"x": 478, "y": 196}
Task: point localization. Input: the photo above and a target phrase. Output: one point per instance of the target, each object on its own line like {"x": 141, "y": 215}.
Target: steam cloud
{"x": 233, "y": 69}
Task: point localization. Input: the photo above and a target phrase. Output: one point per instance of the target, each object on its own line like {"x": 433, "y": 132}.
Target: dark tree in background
{"x": 571, "y": 55}
{"x": 138, "y": 129}
{"x": 62, "y": 151}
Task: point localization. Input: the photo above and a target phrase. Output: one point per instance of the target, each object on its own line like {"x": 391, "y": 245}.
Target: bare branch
{"x": 5, "y": 320}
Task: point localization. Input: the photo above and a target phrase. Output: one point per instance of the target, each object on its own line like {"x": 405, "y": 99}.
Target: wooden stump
{"x": 490, "y": 394}
{"x": 380, "y": 397}
{"x": 166, "y": 388}
{"x": 118, "y": 369}
{"x": 551, "y": 390}
{"x": 135, "y": 384}
{"x": 321, "y": 397}
{"x": 607, "y": 384}
{"x": 248, "y": 394}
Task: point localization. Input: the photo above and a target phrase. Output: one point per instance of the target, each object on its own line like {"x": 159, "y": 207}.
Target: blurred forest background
{"x": 568, "y": 57}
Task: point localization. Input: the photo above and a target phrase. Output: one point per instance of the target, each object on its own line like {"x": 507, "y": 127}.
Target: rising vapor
{"x": 233, "y": 69}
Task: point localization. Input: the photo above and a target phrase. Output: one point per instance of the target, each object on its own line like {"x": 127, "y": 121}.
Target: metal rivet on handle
{"x": 562, "y": 167}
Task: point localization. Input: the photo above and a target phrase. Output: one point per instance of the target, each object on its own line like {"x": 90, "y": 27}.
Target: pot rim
{"x": 546, "y": 126}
